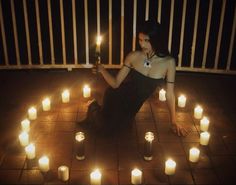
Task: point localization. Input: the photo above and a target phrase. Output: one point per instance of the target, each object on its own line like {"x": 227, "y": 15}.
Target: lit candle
{"x": 149, "y": 137}
{"x": 63, "y": 173}
{"x": 44, "y": 164}
{"x": 32, "y": 113}
{"x": 46, "y": 104}
{"x": 204, "y": 138}
{"x": 194, "y": 154}
{"x": 30, "y": 151}
{"x": 170, "y": 167}
{"x": 162, "y": 95}
{"x": 25, "y": 125}
{"x": 98, "y": 44}
{"x": 86, "y": 91}
{"x": 198, "y": 112}
{"x": 65, "y": 96}
{"x": 181, "y": 101}
{"x": 136, "y": 176}
{"x": 95, "y": 177}
{"x": 204, "y": 124}
{"x": 79, "y": 137}
{"x": 24, "y": 138}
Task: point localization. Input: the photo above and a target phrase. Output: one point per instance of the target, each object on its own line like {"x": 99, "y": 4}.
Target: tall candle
{"x": 194, "y": 154}
{"x": 24, "y": 138}
{"x": 46, "y": 104}
{"x": 86, "y": 91}
{"x": 149, "y": 137}
{"x": 170, "y": 167}
{"x": 25, "y": 125}
{"x": 181, "y": 101}
{"x": 32, "y": 113}
{"x": 162, "y": 95}
{"x": 95, "y": 177}
{"x": 98, "y": 44}
{"x": 204, "y": 138}
{"x": 204, "y": 124}
{"x": 136, "y": 176}
{"x": 30, "y": 151}
{"x": 198, "y": 112}
{"x": 63, "y": 173}
{"x": 65, "y": 96}
{"x": 44, "y": 164}
{"x": 79, "y": 137}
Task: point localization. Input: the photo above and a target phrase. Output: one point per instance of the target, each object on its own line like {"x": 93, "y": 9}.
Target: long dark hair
{"x": 157, "y": 35}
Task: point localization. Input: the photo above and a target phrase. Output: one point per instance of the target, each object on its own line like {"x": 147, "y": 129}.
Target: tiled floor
{"x": 53, "y": 132}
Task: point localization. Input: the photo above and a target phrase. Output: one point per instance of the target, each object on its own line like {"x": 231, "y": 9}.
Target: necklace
{"x": 147, "y": 61}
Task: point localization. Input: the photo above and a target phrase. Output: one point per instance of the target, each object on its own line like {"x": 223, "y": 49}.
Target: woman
{"x": 143, "y": 71}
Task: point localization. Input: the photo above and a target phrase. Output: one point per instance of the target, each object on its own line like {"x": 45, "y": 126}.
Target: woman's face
{"x": 144, "y": 42}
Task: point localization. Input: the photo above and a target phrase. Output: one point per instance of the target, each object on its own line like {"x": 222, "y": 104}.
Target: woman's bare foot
{"x": 179, "y": 130}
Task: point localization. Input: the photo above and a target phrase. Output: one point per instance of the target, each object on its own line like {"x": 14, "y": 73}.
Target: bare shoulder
{"x": 170, "y": 61}
{"x": 132, "y": 57}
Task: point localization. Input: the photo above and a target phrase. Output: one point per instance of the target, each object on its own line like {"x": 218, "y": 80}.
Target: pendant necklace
{"x": 147, "y": 61}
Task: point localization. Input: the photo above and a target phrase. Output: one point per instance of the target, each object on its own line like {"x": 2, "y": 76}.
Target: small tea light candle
{"x": 136, "y": 176}
{"x": 32, "y": 113}
{"x": 25, "y": 125}
{"x": 65, "y": 96}
{"x": 30, "y": 151}
{"x": 198, "y": 112}
{"x": 44, "y": 164}
{"x": 181, "y": 101}
{"x": 46, "y": 104}
{"x": 204, "y": 124}
{"x": 95, "y": 177}
{"x": 86, "y": 91}
{"x": 170, "y": 167}
{"x": 162, "y": 95}
{"x": 63, "y": 173}
{"x": 194, "y": 154}
{"x": 79, "y": 137}
{"x": 24, "y": 139}
{"x": 204, "y": 138}
{"x": 149, "y": 137}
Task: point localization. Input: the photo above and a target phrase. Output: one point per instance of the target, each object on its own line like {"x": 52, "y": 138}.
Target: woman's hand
{"x": 100, "y": 68}
{"x": 179, "y": 129}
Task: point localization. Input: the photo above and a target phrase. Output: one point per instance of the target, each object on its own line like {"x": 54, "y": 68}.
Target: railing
{"x": 61, "y": 33}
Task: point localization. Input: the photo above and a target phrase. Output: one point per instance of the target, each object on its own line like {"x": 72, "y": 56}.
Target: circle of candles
{"x": 194, "y": 154}
{"x": 44, "y": 164}
{"x": 204, "y": 124}
{"x": 170, "y": 167}
{"x": 86, "y": 91}
{"x": 63, "y": 173}
{"x": 181, "y": 101}
{"x": 204, "y": 138}
{"x": 80, "y": 148}
{"x": 25, "y": 125}
{"x": 162, "y": 95}
{"x": 30, "y": 151}
{"x": 136, "y": 176}
{"x": 149, "y": 137}
{"x": 46, "y": 104}
{"x": 198, "y": 112}
{"x": 95, "y": 177}
{"x": 32, "y": 113}
{"x": 65, "y": 96}
{"x": 24, "y": 139}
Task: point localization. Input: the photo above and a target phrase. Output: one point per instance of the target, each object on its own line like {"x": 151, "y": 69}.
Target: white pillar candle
{"x": 86, "y": 91}
{"x": 204, "y": 138}
{"x": 194, "y": 154}
{"x": 204, "y": 124}
{"x": 24, "y": 138}
{"x": 198, "y": 112}
{"x": 181, "y": 101}
{"x": 162, "y": 95}
{"x": 30, "y": 151}
{"x": 46, "y": 104}
{"x": 63, "y": 173}
{"x": 44, "y": 164}
{"x": 65, "y": 96}
{"x": 136, "y": 176}
{"x": 25, "y": 125}
{"x": 32, "y": 113}
{"x": 95, "y": 177}
{"x": 170, "y": 167}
